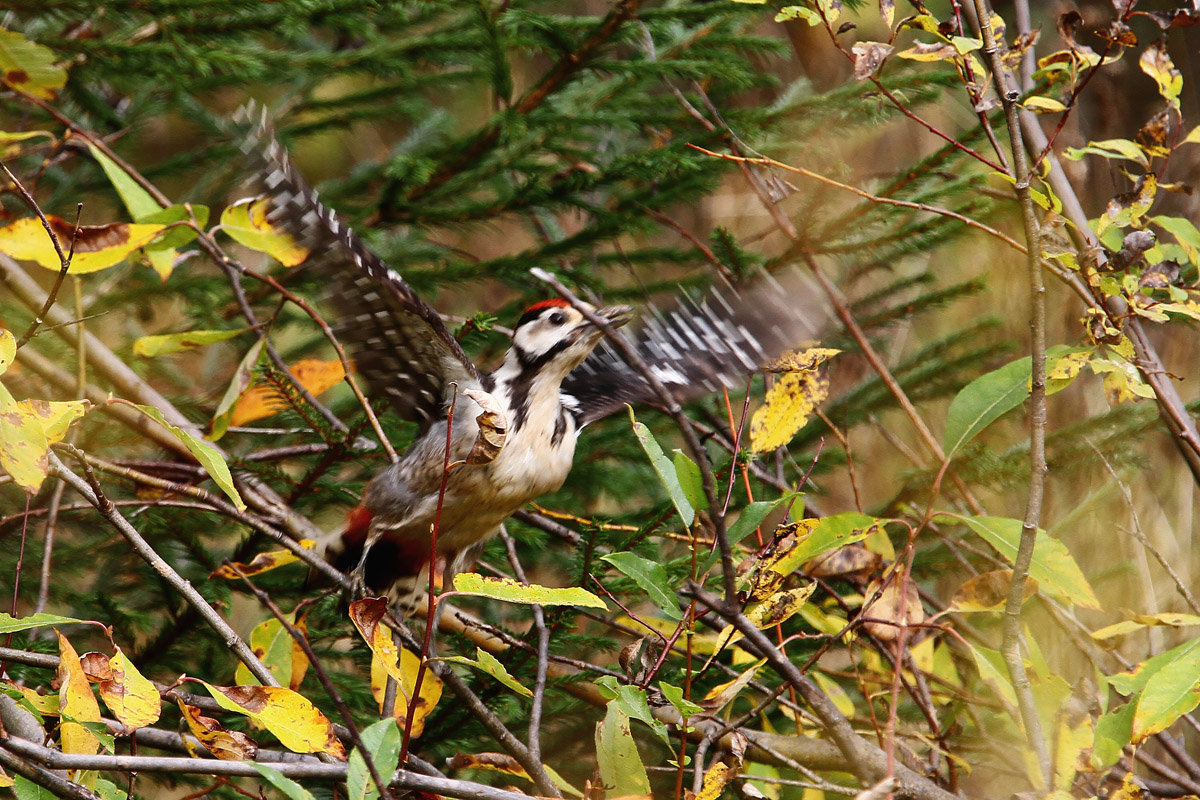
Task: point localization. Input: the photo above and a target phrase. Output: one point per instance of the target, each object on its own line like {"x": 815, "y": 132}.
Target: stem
{"x": 1010, "y": 646}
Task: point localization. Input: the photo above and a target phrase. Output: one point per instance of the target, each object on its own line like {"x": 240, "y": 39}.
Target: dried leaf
{"x": 868, "y": 58}
{"x": 222, "y": 743}
{"x": 895, "y": 607}
{"x": 988, "y": 591}
{"x": 493, "y": 428}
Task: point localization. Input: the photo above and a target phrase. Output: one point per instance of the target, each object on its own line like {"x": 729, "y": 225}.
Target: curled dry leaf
{"x": 988, "y": 591}
{"x": 850, "y": 561}
{"x": 218, "y": 740}
{"x": 868, "y": 58}
{"x": 493, "y": 428}
{"x": 263, "y": 562}
{"x": 893, "y": 609}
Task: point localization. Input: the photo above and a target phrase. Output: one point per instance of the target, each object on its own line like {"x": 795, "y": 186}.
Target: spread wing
{"x": 698, "y": 347}
{"x": 398, "y": 342}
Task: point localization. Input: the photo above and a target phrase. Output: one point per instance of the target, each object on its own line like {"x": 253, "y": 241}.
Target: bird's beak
{"x": 616, "y": 316}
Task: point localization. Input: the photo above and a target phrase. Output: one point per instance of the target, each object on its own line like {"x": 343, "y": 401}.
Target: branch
{"x": 95, "y": 496}
{"x": 868, "y": 763}
{"x": 1010, "y": 646}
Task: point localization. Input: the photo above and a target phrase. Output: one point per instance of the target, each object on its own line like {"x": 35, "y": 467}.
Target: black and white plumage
{"x": 555, "y": 379}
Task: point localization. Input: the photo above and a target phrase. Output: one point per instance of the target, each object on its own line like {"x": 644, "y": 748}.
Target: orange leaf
{"x": 264, "y": 400}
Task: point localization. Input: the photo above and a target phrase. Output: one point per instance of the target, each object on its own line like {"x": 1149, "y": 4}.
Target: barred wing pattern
{"x": 700, "y": 346}
{"x": 399, "y": 343}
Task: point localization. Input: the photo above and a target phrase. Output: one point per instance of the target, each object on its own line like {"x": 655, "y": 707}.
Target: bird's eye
{"x": 557, "y": 318}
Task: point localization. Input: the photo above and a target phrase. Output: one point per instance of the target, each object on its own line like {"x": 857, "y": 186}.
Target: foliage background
{"x": 467, "y": 147}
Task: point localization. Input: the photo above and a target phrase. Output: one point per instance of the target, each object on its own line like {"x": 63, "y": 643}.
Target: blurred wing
{"x": 701, "y": 346}
{"x": 398, "y": 342}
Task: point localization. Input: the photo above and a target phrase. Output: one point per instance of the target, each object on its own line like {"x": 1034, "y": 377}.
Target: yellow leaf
{"x": 8, "y": 349}
{"x": 27, "y": 429}
{"x": 76, "y": 701}
{"x": 246, "y": 223}
{"x": 290, "y": 717}
{"x": 791, "y": 401}
{"x": 263, "y": 562}
{"x": 715, "y": 780}
{"x": 225, "y": 744}
{"x": 97, "y": 247}
{"x": 388, "y": 660}
{"x": 1156, "y": 63}
{"x": 131, "y": 698}
{"x": 29, "y": 66}
{"x": 264, "y": 400}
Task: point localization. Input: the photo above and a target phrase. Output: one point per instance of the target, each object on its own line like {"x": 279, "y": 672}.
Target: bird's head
{"x": 555, "y": 332}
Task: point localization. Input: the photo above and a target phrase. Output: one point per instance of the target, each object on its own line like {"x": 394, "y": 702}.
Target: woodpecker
{"x": 556, "y": 378}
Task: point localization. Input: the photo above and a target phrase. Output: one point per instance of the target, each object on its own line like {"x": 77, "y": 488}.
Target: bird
{"x": 557, "y": 377}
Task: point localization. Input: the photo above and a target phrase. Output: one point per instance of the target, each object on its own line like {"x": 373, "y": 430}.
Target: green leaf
{"x": 162, "y": 344}
{"x": 665, "y": 469}
{"x": 674, "y": 695}
{"x": 511, "y": 591}
{"x": 651, "y": 577}
{"x": 1052, "y": 567}
{"x": 832, "y": 531}
{"x": 28, "y": 790}
{"x": 1164, "y": 687}
{"x": 243, "y": 376}
{"x": 487, "y": 663}
{"x": 9, "y": 624}
{"x": 631, "y": 701}
{"x": 621, "y": 768}
{"x": 205, "y": 453}
{"x": 1109, "y": 148}
{"x": 283, "y": 783}
{"x": 382, "y": 740}
{"x": 688, "y": 475}
{"x": 137, "y": 200}
{"x": 985, "y": 399}
{"x": 1114, "y": 730}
